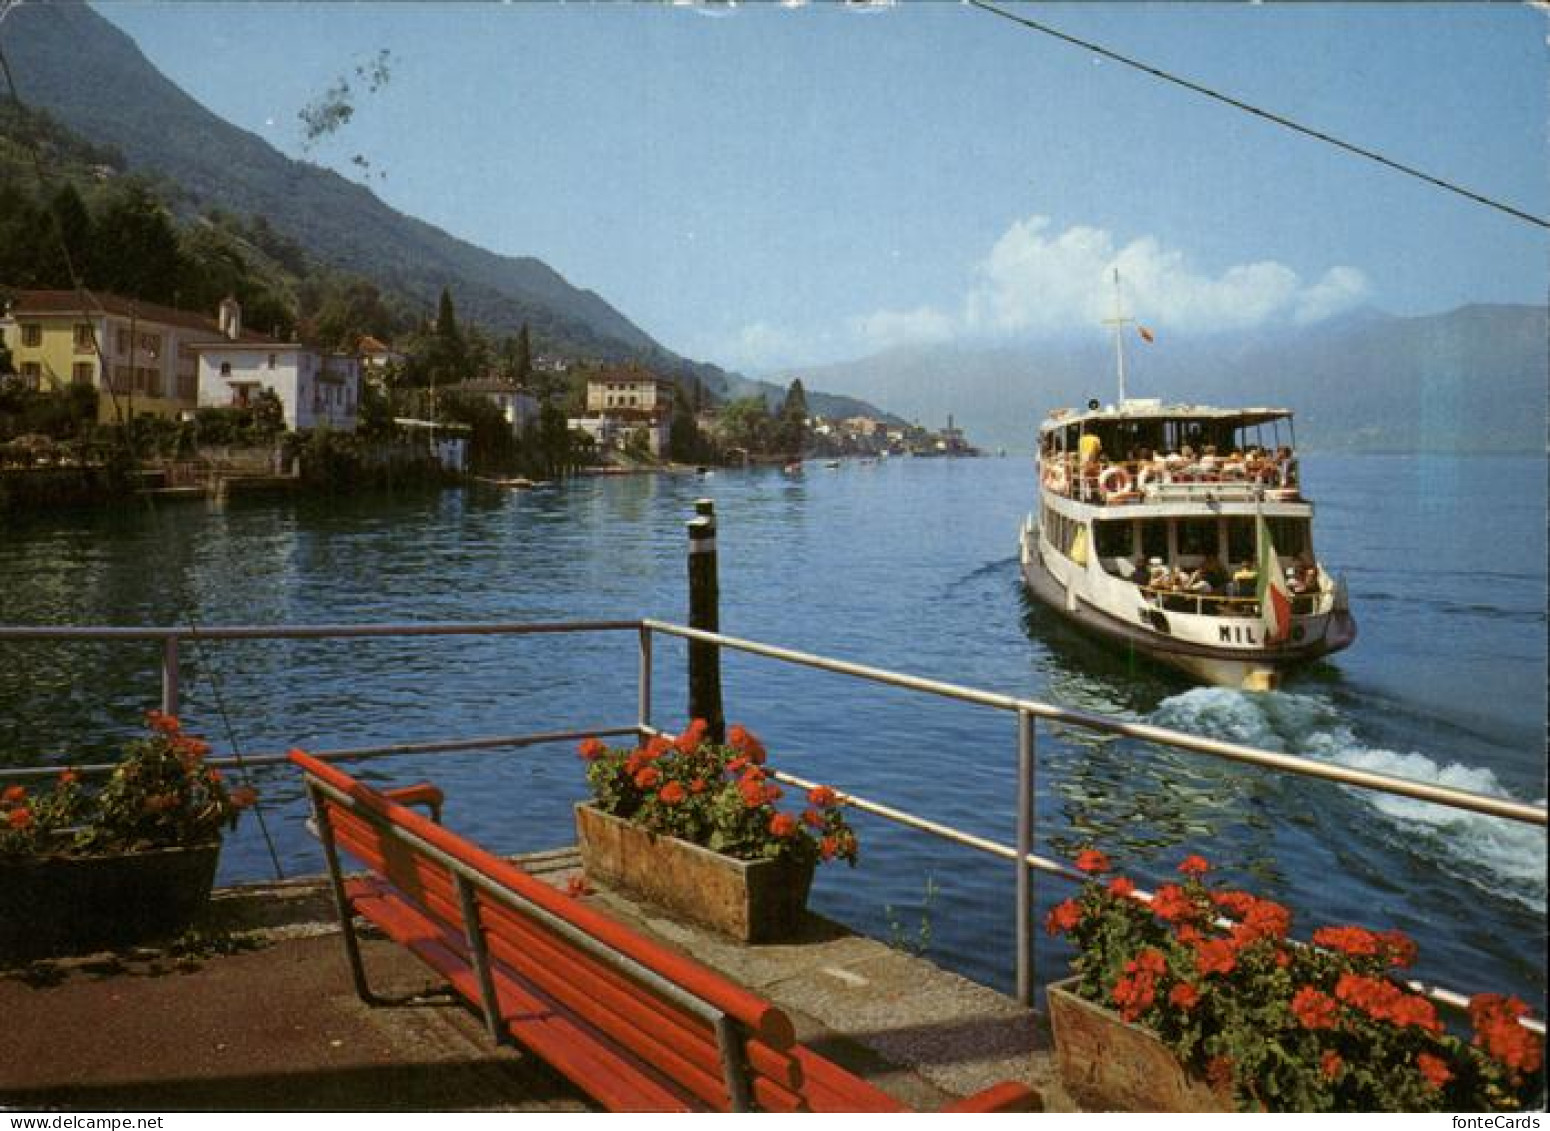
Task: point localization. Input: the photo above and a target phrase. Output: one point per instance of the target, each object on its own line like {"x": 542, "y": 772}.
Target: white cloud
{"x": 1037, "y": 280}
{"x": 885, "y": 329}
{"x": 1340, "y": 289}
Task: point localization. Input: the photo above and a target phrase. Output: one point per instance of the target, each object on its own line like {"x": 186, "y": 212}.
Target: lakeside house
{"x": 316, "y": 389}
{"x": 622, "y": 403}
{"x": 377, "y": 357}
{"x": 519, "y": 406}
{"x": 140, "y": 356}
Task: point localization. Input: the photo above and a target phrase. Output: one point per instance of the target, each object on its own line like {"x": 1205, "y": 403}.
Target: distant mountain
{"x": 1473, "y": 380}
{"x": 69, "y": 61}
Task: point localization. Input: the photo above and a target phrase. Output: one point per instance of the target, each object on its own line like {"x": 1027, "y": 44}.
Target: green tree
{"x": 745, "y": 423}
{"x": 268, "y": 414}
{"x": 68, "y": 245}
{"x": 137, "y": 247}
{"x": 791, "y": 422}
{"x": 524, "y": 360}
{"x": 446, "y": 318}
{"x": 684, "y": 442}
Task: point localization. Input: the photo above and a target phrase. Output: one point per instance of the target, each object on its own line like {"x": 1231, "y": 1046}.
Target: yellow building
{"x": 138, "y": 355}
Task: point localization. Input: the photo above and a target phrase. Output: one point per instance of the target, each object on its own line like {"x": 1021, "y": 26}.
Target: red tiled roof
{"x": 97, "y": 303}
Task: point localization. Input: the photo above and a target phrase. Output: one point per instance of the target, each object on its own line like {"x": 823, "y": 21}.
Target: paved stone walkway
{"x": 278, "y": 1026}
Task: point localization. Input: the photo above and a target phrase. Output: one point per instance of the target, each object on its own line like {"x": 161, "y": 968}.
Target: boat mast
{"x": 1119, "y": 321}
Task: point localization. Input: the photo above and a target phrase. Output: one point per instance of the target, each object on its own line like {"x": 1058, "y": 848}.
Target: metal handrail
{"x": 1232, "y": 751}
{"x": 1026, "y": 711}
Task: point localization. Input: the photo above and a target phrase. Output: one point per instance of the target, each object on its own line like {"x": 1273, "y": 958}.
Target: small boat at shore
{"x": 1181, "y": 532}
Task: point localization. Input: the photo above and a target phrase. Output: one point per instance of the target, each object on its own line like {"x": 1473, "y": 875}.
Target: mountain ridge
{"x": 1379, "y": 382}
{"x": 159, "y": 128}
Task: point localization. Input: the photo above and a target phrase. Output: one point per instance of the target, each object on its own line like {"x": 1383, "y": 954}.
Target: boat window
{"x": 1113, "y": 539}
{"x": 1240, "y": 540}
{"x": 1197, "y": 536}
{"x": 1154, "y": 538}
{"x": 1290, "y": 536}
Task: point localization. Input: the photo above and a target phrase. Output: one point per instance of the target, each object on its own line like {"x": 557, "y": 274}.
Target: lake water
{"x": 907, "y": 564}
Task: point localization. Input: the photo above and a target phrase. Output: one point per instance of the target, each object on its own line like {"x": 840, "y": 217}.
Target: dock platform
{"x": 265, "y": 1019}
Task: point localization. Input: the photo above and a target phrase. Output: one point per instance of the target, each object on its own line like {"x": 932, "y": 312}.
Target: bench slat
{"x": 618, "y": 1082}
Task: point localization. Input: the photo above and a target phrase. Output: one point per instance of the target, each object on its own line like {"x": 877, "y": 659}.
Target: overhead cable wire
{"x": 1276, "y": 119}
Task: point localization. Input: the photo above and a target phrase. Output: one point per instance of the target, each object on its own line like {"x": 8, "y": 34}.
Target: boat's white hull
{"x": 1216, "y": 650}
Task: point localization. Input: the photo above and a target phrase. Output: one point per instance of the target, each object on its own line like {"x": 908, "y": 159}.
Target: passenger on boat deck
{"x": 1158, "y": 576}
{"x": 1207, "y": 464}
{"x": 1304, "y": 576}
{"x": 1208, "y": 578}
{"x": 1243, "y": 581}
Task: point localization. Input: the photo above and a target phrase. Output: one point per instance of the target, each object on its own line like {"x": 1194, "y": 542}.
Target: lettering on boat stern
{"x": 1236, "y": 634}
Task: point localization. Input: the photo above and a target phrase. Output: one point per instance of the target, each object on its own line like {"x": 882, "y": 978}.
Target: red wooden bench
{"x": 634, "y": 1025}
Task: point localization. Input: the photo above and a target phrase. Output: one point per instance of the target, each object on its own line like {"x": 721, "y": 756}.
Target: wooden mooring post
{"x": 704, "y": 614}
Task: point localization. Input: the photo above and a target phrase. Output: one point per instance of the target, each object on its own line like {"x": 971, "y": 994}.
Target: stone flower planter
{"x": 55, "y": 905}
{"x": 751, "y": 901}
{"x": 1109, "y": 1064}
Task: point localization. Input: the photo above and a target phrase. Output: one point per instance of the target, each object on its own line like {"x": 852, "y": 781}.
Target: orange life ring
{"x": 1114, "y": 481}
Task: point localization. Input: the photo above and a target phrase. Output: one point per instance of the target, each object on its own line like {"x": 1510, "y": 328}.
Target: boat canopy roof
{"x": 1138, "y": 411}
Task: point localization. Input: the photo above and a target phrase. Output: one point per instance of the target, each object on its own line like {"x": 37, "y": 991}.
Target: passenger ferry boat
{"x": 1181, "y": 531}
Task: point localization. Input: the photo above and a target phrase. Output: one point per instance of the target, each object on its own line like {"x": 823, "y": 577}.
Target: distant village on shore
{"x": 189, "y": 392}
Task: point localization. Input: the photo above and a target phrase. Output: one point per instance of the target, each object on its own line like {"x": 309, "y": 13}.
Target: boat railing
{"x": 1104, "y": 482}
{"x": 1028, "y": 715}
{"x": 1176, "y": 600}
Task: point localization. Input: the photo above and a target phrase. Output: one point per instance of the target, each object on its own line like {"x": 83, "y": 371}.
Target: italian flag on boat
{"x": 1275, "y": 601}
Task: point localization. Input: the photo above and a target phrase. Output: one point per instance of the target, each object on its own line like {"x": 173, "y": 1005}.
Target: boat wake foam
{"x": 1503, "y": 857}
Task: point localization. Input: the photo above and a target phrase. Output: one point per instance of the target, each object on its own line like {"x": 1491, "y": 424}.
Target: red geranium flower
{"x": 1194, "y": 866}
{"x": 1495, "y": 1018}
{"x": 1331, "y": 1064}
{"x": 697, "y": 786}
{"x": 1121, "y": 887}
{"x": 1216, "y": 956}
{"x": 827, "y": 847}
{"x": 1315, "y": 1010}
{"x": 13, "y": 794}
{"x": 1358, "y": 942}
{"x": 783, "y": 825}
{"x": 1399, "y": 948}
{"x": 647, "y": 777}
{"x": 163, "y": 722}
{"x": 1185, "y": 996}
{"x": 1434, "y": 1068}
{"x": 1149, "y": 961}
{"x": 812, "y": 818}
{"x": 673, "y": 793}
{"x": 1171, "y": 905}
{"x": 1134, "y": 995}
{"x": 19, "y": 818}
{"x": 1091, "y": 861}
{"x": 1063, "y": 917}
{"x": 689, "y": 741}
{"x": 752, "y": 793}
{"x": 744, "y": 742}
{"x": 591, "y": 749}
{"x": 822, "y": 796}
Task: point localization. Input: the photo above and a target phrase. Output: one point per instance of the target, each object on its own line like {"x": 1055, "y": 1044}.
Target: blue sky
{"x": 767, "y": 187}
